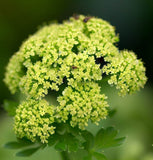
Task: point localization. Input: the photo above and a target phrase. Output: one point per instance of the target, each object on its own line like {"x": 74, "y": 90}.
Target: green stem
{"x": 65, "y": 155}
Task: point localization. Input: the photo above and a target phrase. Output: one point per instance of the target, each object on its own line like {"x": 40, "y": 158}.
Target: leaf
{"x": 27, "y": 152}
{"x": 67, "y": 142}
{"x": 69, "y": 138}
{"x": 16, "y": 145}
{"x": 111, "y": 112}
{"x": 10, "y": 107}
{"x": 72, "y": 143}
{"x": 119, "y": 141}
{"x": 107, "y": 138}
{"x": 43, "y": 146}
{"x": 73, "y": 130}
{"x": 89, "y": 157}
{"x": 99, "y": 156}
{"x": 52, "y": 139}
{"x": 89, "y": 139}
{"x": 61, "y": 128}
{"x": 60, "y": 146}
{"x": 25, "y": 141}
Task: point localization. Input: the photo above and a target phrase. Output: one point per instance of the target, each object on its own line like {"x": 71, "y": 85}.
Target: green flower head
{"x": 67, "y": 61}
{"x": 34, "y": 119}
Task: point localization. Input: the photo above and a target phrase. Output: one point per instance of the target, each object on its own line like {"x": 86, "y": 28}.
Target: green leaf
{"x": 111, "y": 112}
{"x": 72, "y": 143}
{"x": 89, "y": 157}
{"x": 61, "y": 146}
{"x": 70, "y": 136}
{"x": 43, "y": 146}
{"x": 16, "y": 145}
{"x": 27, "y": 152}
{"x": 67, "y": 142}
{"x": 73, "y": 130}
{"x": 25, "y": 141}
{"x": 99, "y": 156}
{"x": 10, "y": 107}
{"x": 53, "y": 139}
{"x": 119, "y": 141}
{"x": 107, "y": 138}
{"x": 61, "y": 128}
{"x": 89, "y": 139}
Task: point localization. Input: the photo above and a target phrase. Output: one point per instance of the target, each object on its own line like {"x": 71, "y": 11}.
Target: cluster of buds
{"x": 61, "y": 60}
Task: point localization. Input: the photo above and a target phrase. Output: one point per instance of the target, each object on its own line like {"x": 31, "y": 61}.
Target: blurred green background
{"x": 133, "y": 20}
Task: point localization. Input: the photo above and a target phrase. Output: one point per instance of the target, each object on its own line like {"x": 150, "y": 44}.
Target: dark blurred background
{"x": 133, "y": 20}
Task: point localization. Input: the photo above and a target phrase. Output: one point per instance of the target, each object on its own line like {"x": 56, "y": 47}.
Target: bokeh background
{"x": 133, "y": 20}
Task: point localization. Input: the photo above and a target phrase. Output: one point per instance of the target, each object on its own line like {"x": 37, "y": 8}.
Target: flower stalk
{"x": 65, "y": 155}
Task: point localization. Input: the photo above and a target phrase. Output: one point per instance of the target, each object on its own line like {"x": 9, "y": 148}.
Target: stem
{"x": 65, "y": 155}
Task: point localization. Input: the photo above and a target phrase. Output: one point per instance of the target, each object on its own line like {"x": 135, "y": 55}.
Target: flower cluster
{"x": 68, "y": 53}
{"x": 127, "y": 73}
{"x": 34, "y": 119}
{"x": 83, "y": 102}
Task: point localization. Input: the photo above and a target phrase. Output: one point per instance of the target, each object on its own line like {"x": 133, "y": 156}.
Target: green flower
{"x": 70, "y": 59}
{"x": 127, "y": 72}
{"x": 83, "y": 102}
{"x": 34, "y": 120}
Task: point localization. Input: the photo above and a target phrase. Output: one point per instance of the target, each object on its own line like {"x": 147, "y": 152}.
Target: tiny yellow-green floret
{"x": 69, "y": 59}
